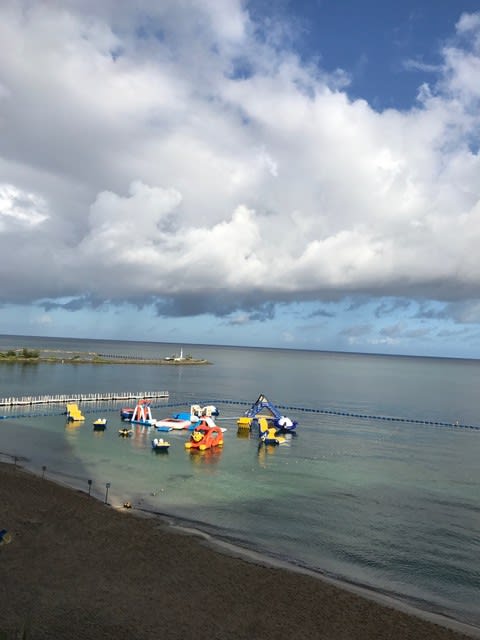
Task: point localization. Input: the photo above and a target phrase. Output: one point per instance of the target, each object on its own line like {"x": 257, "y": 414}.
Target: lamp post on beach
{"x": 107, "y": 486}
{"x": 89, "y": 486}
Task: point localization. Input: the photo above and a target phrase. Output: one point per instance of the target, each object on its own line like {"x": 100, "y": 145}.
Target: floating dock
{"x": 82, "y": 397}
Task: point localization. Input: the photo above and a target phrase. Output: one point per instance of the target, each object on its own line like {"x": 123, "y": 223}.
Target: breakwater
{"x": 81, "y": 397}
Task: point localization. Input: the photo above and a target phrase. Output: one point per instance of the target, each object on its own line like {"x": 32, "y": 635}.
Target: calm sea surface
{"x": 390, "y": 505}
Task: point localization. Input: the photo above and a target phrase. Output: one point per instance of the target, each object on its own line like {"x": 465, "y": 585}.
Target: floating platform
{"x": 82, "y": 397}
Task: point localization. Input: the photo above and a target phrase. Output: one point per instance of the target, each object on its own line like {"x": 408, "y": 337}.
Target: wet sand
{"x": 78, "y": 569}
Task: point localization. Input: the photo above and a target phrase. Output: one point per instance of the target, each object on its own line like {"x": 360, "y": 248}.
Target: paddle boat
{"x": 205, "y": 436}
{"x": 100, "y": 424}
{"x": 262, "y": 407}
{"x": 269, "y": 435}
{"x": 160, "y": 445}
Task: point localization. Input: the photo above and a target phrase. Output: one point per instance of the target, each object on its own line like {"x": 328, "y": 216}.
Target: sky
{"x": 291, "y": 173}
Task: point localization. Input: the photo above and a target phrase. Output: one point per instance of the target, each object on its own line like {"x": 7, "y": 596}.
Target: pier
{"x": 82, "y": 397}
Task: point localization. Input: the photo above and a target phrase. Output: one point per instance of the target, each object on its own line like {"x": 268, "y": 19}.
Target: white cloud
{"x": 181, "y": 156}
{"x": 419, "y": 65}
{"x": 20, "y": 209}
{"x": 468, "y": 23}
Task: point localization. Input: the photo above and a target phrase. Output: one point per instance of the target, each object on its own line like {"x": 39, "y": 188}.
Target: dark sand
{"x": 76, "y": 568}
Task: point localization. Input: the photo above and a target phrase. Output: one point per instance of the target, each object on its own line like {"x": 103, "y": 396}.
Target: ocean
{"x": 379, "y": 488}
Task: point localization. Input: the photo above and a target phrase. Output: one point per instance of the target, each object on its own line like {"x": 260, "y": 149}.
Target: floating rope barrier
{"x": 328, "y": 412}
{"x": 361, "y": 416}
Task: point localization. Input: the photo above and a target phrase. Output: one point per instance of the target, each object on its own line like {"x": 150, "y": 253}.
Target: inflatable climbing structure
{"x": 205, "y": 436}
{"x": 263, "y": 408}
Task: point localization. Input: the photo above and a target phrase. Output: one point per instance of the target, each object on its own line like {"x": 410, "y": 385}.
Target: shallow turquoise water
{"x": 389, "y": 505}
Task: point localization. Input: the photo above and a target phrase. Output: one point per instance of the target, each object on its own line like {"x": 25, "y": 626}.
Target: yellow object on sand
{"x": 5, "y": 537}
{"x": 244, "y": 422}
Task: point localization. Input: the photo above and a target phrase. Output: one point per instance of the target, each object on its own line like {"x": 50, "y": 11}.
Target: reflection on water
{"x": 209, "y": 456}
{"x": 72, "y": 429}
{"x": 265, "y": 451}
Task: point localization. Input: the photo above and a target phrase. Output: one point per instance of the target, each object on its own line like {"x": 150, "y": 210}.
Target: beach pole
{"x": 107, "y": 486}
{"x": 89, "y": 486}
{"x": 44, "y": 468}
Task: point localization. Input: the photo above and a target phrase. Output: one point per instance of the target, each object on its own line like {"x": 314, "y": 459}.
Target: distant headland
{"x": 31, "y": 356}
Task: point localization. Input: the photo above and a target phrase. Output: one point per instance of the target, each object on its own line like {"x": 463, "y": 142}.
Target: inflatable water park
{"x": 271, "y": 423}
{"x": 73, "y": 413}
{"x": 142, "y": 414}
{"x": 269, "y": 435}
{"x": 263, "y": 408}
{"x": 262, "y": 417}
{"x": 205, "y": 436}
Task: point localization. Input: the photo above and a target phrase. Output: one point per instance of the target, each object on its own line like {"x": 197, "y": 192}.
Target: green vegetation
{"x": 20, "y": 354}
{"x": 25, "y": 355}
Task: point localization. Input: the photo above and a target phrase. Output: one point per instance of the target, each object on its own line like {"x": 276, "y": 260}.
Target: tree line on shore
{"x": 20, "y": 354}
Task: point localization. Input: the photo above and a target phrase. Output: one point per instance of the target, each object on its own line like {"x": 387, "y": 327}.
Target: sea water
{"x": 375, "y": 498}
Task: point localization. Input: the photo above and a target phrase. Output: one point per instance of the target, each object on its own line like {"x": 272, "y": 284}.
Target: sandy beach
{"x": 77, "y": 568}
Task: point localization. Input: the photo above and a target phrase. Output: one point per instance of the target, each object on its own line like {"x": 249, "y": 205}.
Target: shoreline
{"x": 72, "y": 539}
{"x": 34, "y": 356}
{"x": 231, "y": 549}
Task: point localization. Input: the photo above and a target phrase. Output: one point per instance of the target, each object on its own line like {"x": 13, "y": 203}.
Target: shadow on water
{"x": 42, "y": 452}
